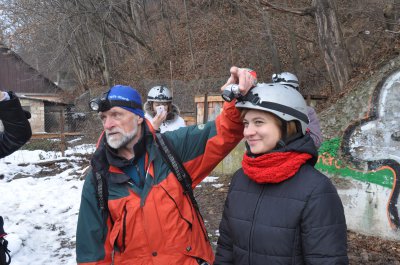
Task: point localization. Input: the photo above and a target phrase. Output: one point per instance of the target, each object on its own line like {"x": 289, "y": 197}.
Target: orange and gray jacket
{"x": 158, "y": 223}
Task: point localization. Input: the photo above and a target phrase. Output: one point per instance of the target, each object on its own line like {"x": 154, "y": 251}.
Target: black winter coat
{"x": 298, "y": 221}
{"x": 17, "y": 130}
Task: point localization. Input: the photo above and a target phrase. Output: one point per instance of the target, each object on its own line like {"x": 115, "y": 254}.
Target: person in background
{"x": 314, "y": 127}
{"x": 147, "y": 217}
{"x": 162, "y": 113}
{"x": 279, "y": 208}
{"x": 17, "y": 131}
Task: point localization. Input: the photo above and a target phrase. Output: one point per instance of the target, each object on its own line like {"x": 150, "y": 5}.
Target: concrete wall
{"x": 36, "y": 108}
{"x": 232, "y": 162}
{"x": 363, "y": 149}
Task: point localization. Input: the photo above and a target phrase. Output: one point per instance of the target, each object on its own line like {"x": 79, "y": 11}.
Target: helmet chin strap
{"x": 285, "y": 140}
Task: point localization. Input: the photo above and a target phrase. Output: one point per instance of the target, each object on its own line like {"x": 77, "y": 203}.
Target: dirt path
{"x": 361, "y": 250}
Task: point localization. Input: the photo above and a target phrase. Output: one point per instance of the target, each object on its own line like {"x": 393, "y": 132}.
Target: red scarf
{"x": 273, "y": 167}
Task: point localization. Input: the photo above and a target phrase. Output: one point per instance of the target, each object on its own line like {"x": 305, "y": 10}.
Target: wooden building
{"x": 38, "y": 94}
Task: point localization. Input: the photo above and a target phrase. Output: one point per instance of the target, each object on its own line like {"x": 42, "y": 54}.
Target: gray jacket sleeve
{"x": 314, "y": 127}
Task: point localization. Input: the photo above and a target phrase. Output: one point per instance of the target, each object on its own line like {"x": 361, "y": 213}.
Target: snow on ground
{"x": 40, "y": 212}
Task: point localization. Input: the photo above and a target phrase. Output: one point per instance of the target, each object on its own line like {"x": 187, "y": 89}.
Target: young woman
{"x": 159, "y": 109}
{"x": 280, "y": 209}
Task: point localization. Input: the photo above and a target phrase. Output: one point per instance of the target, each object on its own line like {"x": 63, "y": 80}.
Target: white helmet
{"x": 283, "y": 101}
{"x": 286, "y": 78}
{"x": 159, "y": 94}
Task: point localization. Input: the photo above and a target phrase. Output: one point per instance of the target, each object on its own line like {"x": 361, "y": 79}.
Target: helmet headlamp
{"x": 102, "y": 103}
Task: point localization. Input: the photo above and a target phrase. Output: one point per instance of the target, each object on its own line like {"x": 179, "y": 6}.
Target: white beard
{"x": 122, "y": 139}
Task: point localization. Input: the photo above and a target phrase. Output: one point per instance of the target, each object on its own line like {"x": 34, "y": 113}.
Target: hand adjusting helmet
{"x": 283, "y": 101}
{"x": 286, "y": 78}
{"x": 159, "y": 94}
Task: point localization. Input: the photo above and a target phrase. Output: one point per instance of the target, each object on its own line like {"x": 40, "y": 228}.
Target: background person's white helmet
{"x": 159, "y": 94}
{"x": 285, "y": 102}
{"x": 286, "y": 78}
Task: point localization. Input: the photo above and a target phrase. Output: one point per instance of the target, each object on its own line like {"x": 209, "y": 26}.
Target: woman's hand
{"x": 159, "y": 118}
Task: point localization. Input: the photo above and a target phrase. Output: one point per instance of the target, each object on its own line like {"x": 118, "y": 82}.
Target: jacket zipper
{"x": 179, "y": 211}
{"x": 253, "y": 223}
{"x": 124, "y": 230}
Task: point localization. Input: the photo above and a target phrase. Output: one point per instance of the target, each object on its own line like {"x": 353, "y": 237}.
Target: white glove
{"x": 4, "y": 96}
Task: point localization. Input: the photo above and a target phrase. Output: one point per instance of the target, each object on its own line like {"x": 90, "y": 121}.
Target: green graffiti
{"x": 330, "y": 146}
{"x": 328, "y": 162}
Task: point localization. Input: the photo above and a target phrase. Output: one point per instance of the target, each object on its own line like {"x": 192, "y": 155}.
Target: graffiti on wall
{"x": 370, "y": 148}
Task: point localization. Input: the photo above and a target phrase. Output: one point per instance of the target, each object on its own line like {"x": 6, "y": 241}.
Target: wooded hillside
{"x": 328, "y": 44}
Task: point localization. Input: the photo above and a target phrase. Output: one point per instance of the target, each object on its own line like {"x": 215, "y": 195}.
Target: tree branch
{"x": 308, "y": 11}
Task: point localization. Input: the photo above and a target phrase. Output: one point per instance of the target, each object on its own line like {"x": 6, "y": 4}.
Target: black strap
{"x": 5, "y": 258}
{"x": 124, "y": 103}
{"x": 174, "y": 162}
{"x": 285, "y": 109}
{"x": 176, "y": 166}
{"x": 256, "y": 100}
{"x": 101, "y": 187}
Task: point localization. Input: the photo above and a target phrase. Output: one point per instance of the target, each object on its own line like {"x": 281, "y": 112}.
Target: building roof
{"x": 18, "y": 76}
{"x": 50, "y": 98}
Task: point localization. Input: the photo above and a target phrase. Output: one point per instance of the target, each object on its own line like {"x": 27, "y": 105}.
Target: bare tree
{"x": 276, "y": 65}
{"x": 189, "y": 30}
{"x": 336, "y": 57}
{"x": 108, "y": 41}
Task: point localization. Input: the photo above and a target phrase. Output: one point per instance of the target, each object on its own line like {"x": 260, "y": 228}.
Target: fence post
{"x": 308, "y": 100}
{"x": 205, "y": 117}
{"x": 62, "y": 133}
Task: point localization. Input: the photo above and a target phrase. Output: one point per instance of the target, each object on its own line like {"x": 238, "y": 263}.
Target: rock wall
{"x": 365, "y": 156}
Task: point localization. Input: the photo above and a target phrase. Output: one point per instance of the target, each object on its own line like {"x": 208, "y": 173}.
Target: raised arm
{"x": 202, "y": 147}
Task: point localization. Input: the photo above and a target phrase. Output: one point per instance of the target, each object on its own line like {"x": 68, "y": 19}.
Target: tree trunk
{"x": 168, "y": 27}
{"x": 396, "y": 5}
{"x": 189, "y": 33}
{"x": 78, "y": 68}
{"x": 390, "y": 16}
{"x": 330, "y": 39}
{"x": 106, "y": 70}
{"x": 137, "y": 21}
{"x": 276, "y": 66}
{"x": 293, "y": 45}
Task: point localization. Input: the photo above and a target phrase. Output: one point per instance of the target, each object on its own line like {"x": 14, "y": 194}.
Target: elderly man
{"x": 147, "y": 216}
